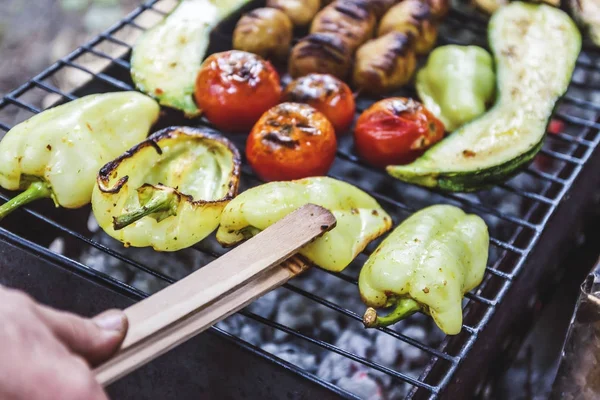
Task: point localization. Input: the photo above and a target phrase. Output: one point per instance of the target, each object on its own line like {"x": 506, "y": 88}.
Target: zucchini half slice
{"x": 165, "y": 60}
{"x": 535, "y": 48}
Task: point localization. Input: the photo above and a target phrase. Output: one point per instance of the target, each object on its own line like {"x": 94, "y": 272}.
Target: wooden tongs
{"x": 209, "y": 295}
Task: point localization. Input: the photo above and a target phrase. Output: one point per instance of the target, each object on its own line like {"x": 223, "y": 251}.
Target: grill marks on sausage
{"x": 358, "y": 11}
{"x": 325, "y": 45}
{"x": 397, "y": 46}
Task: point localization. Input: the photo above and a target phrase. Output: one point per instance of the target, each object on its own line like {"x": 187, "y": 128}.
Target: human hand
{"x": 46, "y": 354}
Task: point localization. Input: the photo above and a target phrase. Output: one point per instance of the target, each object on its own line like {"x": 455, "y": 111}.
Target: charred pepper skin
{"x": 457, "y": 84}
{"x": 360, "y": 219}
{"x": 426, "y": 264}
{"x": 58, "y": 152}
{"x": 167, "y": 192}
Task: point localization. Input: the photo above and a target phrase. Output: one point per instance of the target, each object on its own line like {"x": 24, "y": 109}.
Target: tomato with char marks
{"x": 396, "y": 131}
{"x": 291, "y": 141}
{"x": 235, "y": 88}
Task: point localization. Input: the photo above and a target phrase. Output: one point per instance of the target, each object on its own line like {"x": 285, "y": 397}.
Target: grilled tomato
{"x": 396, "y": 131}
{"x": 291, "y": 141}
{"x": 235, "y": 88}
{"x": 328, "y": 95}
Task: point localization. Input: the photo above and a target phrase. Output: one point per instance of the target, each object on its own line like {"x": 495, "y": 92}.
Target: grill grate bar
{"x": 347, "y": 354}
{"x": 562, "y": 157}
{"x": 358, "y": 318}
{"x": 577, "y": 121}
{"x": 26, "y": 106}
{"x": 103, "y": 77}
{"x": 585, "y": 104}
{"x": 95, "y": 244}
{"x": 102, "y": 54}
{"x": 468, "y": 203}
{"x": 53, "y": 89}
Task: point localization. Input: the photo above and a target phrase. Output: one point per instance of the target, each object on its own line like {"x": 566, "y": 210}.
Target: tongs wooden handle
{"x": 205, "y": 297}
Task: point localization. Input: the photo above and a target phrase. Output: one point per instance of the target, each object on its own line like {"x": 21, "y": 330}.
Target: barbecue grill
{"x": 285, "y": 344}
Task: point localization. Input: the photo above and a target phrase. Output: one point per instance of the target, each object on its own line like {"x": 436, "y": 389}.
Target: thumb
{"x": 93, "y": 339}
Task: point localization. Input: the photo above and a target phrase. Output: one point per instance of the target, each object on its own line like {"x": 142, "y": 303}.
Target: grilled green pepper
{"x": 167, "y": 192}
{"x": 426, "y": 264}
{"x": 457, "y": 83}
{"x": 165, "y": 60}
{"x": 58, "y": 152}
{"x": 359, "y": 218}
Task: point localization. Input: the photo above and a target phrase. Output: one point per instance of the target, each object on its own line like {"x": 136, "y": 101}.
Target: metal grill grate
{"x": 538, "y": 190}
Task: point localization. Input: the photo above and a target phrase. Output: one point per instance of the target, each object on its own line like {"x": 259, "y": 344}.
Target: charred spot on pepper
{"x": 48, "y": 147}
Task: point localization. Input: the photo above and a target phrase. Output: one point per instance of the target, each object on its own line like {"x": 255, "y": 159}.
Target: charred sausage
{"x": 411, "y": 17}
{"x": 384, "y": 63}
{"x": 264, "y": 31}
{"x": 321, "y": 53}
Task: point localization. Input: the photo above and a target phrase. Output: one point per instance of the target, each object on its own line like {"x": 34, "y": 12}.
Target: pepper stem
{"x": 403, "y": 309}
{"x": 36, "y": 190}
{"x": 159, "y": 202}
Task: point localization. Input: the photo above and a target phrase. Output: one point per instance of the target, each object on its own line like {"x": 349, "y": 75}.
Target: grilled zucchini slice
{"x": 535, "y": 48}
{"x": 166, "y": 58}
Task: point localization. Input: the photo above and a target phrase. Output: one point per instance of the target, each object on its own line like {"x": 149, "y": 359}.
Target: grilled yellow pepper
{"x": 58, "y": 152}
{"x": 359, "y": 218}
{"x": 426, "y": 264}
{"x": 457, "y": 83}
{"x": 168, "y": 192}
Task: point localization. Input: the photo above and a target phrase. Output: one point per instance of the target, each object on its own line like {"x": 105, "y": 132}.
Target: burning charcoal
{"x": 399, "y": 391}
{"x": 251, "y": 334}
{"x": 295, "y": 312}
{"x": 331, "y": 327}
{"x": 265, "y": 305}
{"x": 232, "y": 324}
{"x": 335, "y": 367}
{"x": 92, "y": 224}
{"x": 354, "y": 342}
{"x": 141, "y": 282}
{"x": 411, "y": 355}
{"x": 292, "y": 354}
{"x": 386, "y": 349}
{"x": 362, "y": 385}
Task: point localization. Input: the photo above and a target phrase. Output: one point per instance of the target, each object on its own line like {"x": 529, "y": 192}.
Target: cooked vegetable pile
{"x": 172, "y": 189}
{"x": 535, "y": 48}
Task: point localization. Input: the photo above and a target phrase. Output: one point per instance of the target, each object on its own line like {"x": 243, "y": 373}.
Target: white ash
{"x": 362, "y": 385}
{"x": 292, "y": 354}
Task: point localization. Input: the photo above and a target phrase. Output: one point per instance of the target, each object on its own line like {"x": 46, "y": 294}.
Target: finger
{"x": 93, "y": 339}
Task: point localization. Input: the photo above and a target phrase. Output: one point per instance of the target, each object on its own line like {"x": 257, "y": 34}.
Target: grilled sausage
{"x": 320, "y": 53}
{"x": 351, "y": 20}
{"x": 301, "y": 12}
{"x": 385, "y": 63}
{"x": 411, "y": 17}
{"x": 264, "y": 31}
